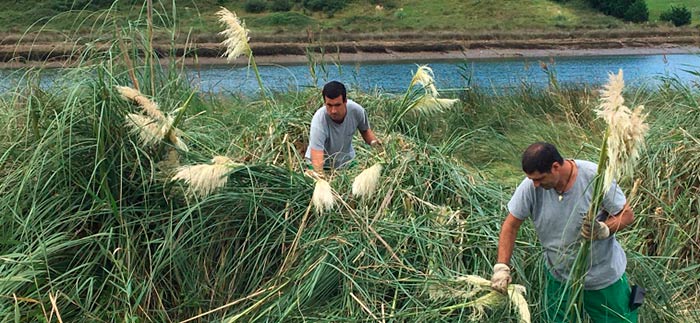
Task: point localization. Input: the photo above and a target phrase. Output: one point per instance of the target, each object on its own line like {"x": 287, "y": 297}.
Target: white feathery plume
{"x": 517, "y": 297}
{"x": 203, "y": 179}
{"x": 476, "y": 285}
{"x": 429, "y": 104}
{"x": 236, "y": 34}
{"x": 149, "y": 107}
{"x": 323, "y": 198}
{"x": 424, "y": 77}
{"x": 626, "y": 130}
{"x": 365, "y": 183}
{"x": 147, "y": 129}
{"x": 156, "y": 125}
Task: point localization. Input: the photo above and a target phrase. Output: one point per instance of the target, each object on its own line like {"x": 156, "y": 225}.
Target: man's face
{"x": 336, "y": 108}
{"x": 546, "y": 180}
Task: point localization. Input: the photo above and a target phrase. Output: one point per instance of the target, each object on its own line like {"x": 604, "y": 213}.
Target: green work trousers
{"x": 607, "y": 305}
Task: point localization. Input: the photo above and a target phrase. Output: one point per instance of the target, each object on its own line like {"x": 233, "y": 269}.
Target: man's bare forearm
{"x": 506, "y": 239}
{"x": 317, "y": 160}
{"x": 621, "y": 220}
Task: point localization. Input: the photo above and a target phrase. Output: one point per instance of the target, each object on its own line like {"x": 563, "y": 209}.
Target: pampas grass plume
{"x": 478, "y": 285}
{"x": 366, "y": 183}
{"x": 424, "y": 76}
{"x": 430, "y": 104}
{"x": 146, "y": 128}
{"x": 236, "y": 34}
{"x": 626, "y": 130}
{"x": 153, "y": 127}
{"x": 323, "y": 198}
{"x": 203, "y": 179}
{"x": 149, "y": 107}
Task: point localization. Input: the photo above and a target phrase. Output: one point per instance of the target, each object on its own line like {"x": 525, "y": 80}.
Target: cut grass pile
{"x": 95, "y": 229}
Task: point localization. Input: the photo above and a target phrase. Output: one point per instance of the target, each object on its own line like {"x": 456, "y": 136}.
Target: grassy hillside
{"x": 656, "y": 7}
{"x": 361, "y": 16}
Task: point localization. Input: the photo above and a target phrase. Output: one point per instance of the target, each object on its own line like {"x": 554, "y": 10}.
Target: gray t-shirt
{"x": 335, "y": 139}
{"x": 558, "y": 225}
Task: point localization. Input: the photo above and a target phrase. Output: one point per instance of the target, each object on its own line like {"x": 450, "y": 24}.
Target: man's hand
{"x": 599, "y": 230}
{"x": 375, "y": 143}
{"x": 501, "y": 278}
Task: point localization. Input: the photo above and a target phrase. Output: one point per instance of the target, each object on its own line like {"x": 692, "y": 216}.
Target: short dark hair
{"x": 333, "y": 89}
{"x": 539, "y": 157}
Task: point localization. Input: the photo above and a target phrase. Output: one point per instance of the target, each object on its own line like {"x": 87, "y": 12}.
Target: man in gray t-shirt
{"x": 332, "y": 129}
{"x": 556, "y": 195}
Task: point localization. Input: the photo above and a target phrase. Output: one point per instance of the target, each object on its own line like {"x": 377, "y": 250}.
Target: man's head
{"x": 335, "y": 99}
{"x": 542, "y": 163}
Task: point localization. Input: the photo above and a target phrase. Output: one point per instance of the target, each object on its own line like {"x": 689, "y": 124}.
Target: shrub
{"x": 313, "y": 5}
{"x": 637, "y": 12}
{"x": 387, "y": 4}
{"x": 66, "y": 5}
{"x": 286, "y": 19}
{"x": 679, "y": 16}
{"x": 328, "y": 6}
{"x": 280, "y": 5}
{"x": 255, "y": 6}
{"x": 615, "y": 8}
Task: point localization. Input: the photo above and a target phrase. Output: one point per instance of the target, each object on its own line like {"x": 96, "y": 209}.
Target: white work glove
{"x": 599, "y": 231}
{"x": 501, "y": 278}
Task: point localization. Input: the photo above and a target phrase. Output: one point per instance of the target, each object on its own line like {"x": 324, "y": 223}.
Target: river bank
{"x": 62, "y": 54}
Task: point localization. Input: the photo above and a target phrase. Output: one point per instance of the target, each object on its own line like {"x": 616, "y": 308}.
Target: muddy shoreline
{"x": 64, "y": 54}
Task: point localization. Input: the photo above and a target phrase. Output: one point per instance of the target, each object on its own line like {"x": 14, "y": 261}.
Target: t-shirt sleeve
{"x": 520, "y": 204}
{"x": 317, "y": 134}
{"x": 363, "y": 121}
{"x": 614, "y": 199}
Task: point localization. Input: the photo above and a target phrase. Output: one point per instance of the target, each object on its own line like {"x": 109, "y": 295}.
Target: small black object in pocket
{"x": 637, "y": 297}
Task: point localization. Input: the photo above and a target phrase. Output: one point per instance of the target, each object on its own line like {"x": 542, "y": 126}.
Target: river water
{"x": 494, "y": 75}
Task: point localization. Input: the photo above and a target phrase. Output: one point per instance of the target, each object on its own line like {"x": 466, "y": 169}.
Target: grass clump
{"x": 94, "y": 228}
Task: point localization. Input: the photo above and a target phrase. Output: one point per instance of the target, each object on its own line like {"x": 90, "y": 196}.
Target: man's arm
{"x": 317, "y": 160}
{"x": 619, "y": 221}
{"x": 369, "y": 137}
{"x": 506, "y": 240}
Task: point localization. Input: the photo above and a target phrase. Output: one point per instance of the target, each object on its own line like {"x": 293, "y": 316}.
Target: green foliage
{"x": 330, "y": 7}
{"x": 93, "y": 228}
{"x": 679, "y": 16}
{"x": 66, "y": 5}
{"x": 280, "y": 5}
{"x": 292, "y": 19}
{"x": 387, "y": 4}
{"x": 629, "y": 10}
{"x": 637, "y": 12}
{"x": 255, "y": 6}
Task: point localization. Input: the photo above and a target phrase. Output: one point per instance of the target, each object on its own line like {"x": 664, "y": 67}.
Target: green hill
{"x": 359, "y": 16}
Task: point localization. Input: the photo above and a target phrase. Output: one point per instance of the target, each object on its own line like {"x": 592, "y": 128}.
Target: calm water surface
{"x": 492, "y": 74}
{"x": 639, "y": 70}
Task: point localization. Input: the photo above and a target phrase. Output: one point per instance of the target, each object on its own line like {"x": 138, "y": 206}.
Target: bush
{"x": 255, "y": 6}
{"x": 293, "y": 19}
{"x": 387, "y": 4}
{"x": 328, "y": 6}
{"x": 280, "y": 5}
{"x": 66, "y": 5}
{"x": 615, "y": 8}
{"x": 679, "y": 16}
{"x": 637, "y": 12}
